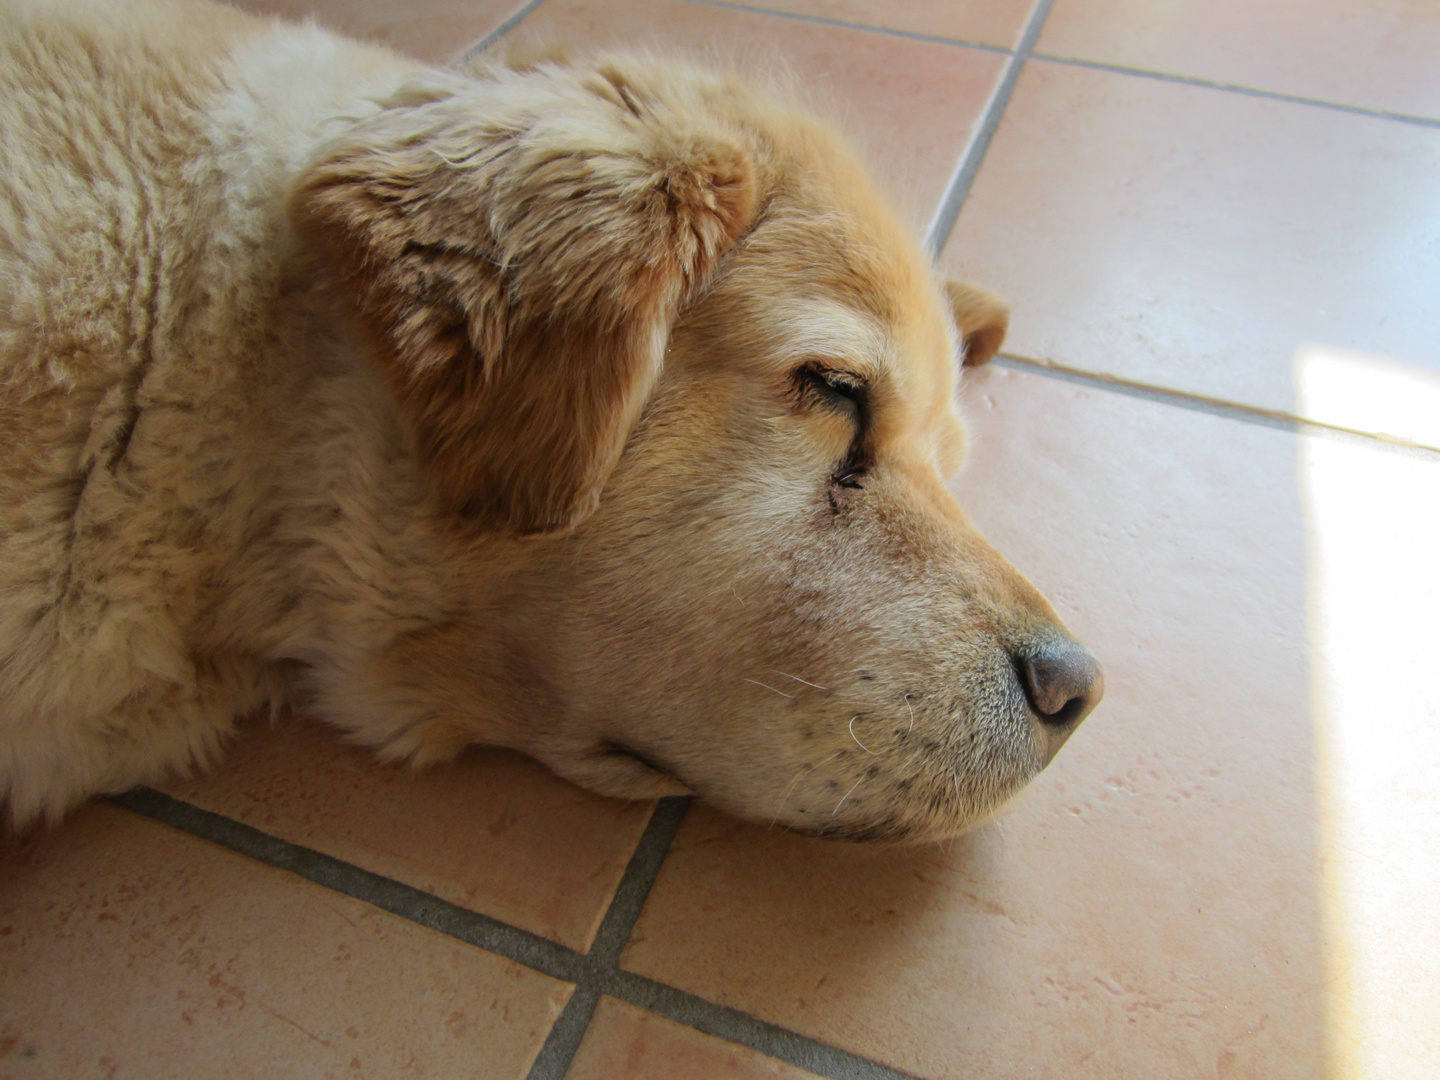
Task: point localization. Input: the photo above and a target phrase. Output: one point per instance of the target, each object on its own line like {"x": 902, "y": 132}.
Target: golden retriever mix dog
{"x": 591, "y": 406}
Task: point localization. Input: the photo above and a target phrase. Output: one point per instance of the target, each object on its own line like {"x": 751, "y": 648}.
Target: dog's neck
{"x": 354, "y": 580}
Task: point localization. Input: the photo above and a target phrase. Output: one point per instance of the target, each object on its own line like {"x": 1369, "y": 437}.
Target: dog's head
{"x": 667, "y": 333}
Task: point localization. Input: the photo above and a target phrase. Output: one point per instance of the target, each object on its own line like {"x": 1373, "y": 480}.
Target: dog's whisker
{"x": 771, "y": 689}
{"x": 797, "y": 678}
{"x": 857, "y": 738}
{"x": 803, "y": 770}
{"x": 846, "y": 796}
{"x": 780, "y": 806}
{"x": 911, "y": 730}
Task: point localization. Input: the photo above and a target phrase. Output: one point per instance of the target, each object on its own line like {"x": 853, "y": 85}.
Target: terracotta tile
{"x": 495, "y": 832}
{"x": 130, "y": 950}
{"x": 434, "y": 30}
{"x": 1197, "y": 239}
{"x": 1376, "y": 54}
{"x": 991, "y": 23}
{"x": 625, "y": 1041}
{"x": 1160, "y": 902}
{"x": 909, "y": 105}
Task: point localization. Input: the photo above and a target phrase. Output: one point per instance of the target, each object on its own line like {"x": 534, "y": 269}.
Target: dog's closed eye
{"x": 840, "y": 392}
{"x": 846, "y": 394}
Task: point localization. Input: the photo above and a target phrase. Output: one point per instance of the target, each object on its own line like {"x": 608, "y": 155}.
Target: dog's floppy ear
{"x": 981, "y": 317}
{"x": 519, "y": 246}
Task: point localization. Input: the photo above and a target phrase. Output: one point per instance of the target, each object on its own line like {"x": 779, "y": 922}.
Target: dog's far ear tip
{"x": 982, "y": 318}
{"x": 982, "y": 345}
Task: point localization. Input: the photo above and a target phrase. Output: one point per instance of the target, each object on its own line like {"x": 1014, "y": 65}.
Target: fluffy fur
{"x": 593, "y": 406}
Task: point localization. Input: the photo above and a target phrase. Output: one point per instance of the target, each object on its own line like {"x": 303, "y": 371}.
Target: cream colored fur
{"x": 478, "y": 405}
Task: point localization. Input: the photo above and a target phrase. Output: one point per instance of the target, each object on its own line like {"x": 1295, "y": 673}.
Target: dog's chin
{"x": 900, "y": 828}
{"x": 935, "y": 806}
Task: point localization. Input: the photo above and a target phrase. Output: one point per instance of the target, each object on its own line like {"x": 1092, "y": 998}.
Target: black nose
{"x": 1063, "y": 682}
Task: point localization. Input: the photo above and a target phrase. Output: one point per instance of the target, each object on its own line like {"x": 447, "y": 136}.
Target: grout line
{"x": 500, "y": 31}
{"x": 968, "y": 167}
{"x": 1218, "y": 407}
{"x": 563, "y": 1041}
{"x": 569, "y": 1028}
{"x": 821, "y": 20}
{"x": 1237, "y": 88}
{"x": 592, "y": 975}
{"x": 523, "y": 947}
{"x": 640, "y": 875}
{"x": 1025, "y": 47}
{"x": 742, "y": 1028}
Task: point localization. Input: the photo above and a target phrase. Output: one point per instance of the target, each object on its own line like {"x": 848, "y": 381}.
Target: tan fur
{"x": 444, "y": 219}
{"x": 479, "y": 405}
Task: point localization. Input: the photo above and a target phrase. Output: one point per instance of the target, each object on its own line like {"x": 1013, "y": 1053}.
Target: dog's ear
{"x": 519, "y": 247}
{"x": 981, "y": 317}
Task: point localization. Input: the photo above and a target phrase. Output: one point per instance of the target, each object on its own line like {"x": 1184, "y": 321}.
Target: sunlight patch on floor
{"x": 1373, "y": 536}
{"x": 1393, "y": 398}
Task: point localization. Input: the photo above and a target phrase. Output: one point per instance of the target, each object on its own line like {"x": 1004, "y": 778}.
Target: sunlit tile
{"x": 1398, "y": 401}
{"x": 1194, "y": 239}
{"x": 1373, "y": 519}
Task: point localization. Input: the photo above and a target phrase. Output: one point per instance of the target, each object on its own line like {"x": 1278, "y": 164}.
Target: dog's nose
{"x": 1063, "y": 682}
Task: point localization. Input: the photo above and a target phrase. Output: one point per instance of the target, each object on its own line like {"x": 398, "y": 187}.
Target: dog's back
{"x": 141, "y": 231}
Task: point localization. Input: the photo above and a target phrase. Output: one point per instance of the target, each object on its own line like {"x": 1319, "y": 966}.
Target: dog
{"x": 590, "y": 405}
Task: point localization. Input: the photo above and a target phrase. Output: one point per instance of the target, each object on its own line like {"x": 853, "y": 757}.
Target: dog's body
{"x": 314, "y": 363}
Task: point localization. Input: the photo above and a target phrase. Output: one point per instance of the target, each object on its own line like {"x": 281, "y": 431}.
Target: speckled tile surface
{"x": 992, "y": 22}
{"x": 1376, "y": 54}
{"x": 1192, "y": 239}
{"x": 128, "y": 949}
{"x": 495, "y": 833}
{"x": 625, "y": 1041}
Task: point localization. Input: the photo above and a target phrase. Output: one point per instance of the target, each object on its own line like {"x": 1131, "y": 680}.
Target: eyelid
{"x": 844, "y": 383}
{"x": 842, "y": 380}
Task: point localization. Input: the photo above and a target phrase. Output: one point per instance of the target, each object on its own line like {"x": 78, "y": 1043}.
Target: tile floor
{"x": 1211, "y": 442}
